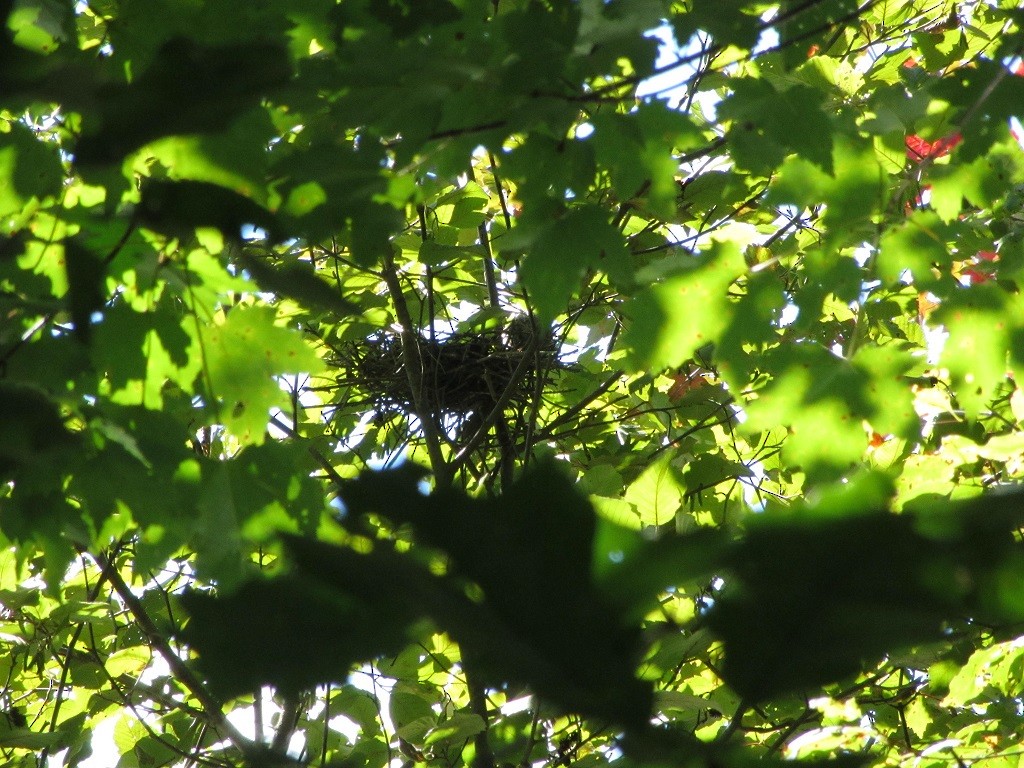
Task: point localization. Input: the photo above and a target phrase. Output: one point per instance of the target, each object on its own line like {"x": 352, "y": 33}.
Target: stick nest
{"x": 462, "y": 373}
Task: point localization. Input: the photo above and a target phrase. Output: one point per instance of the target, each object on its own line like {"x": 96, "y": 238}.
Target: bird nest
{"x": 461, "y": 374}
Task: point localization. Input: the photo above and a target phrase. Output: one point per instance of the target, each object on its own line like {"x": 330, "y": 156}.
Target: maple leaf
{"x": 918, "y": 149}
{"x": 684, "y": 383}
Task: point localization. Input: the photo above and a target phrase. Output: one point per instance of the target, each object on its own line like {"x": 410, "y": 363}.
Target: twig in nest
{"x": 464, "y": 375}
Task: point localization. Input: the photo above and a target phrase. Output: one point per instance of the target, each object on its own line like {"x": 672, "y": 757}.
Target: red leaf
{"x": 982, "y": 267}
{"x": 919, "y": 149}
{"x": 976, "y": 276}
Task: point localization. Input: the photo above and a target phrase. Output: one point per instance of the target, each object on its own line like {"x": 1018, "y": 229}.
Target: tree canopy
{"x": 492, "y": 383}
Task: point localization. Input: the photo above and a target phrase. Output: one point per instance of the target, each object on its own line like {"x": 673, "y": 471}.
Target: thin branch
{"x": 413, "y": 364}
{"x": 502, "y": 201}
{"x": 322, "y": 460}
{"x": 66, "y": 666}
{"x": 291, "y": 708}
{"x": 571, "y": 413}
{"x": 456, "y": 132}
{"x": 212, "y": 707}
{"x": 421, "y": 211}
{"x": 489, "y": 273}
{"x": 633, "y": 80}
{"x": 484, "y": 757}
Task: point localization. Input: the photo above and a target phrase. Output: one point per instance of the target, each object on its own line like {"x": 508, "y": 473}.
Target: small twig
{"x": 502, "y": 201}
{"x": 327, "y": 720}
{"x": 808, "y": 716}
{"x": 66, "y": 666}
{"x": 455, "y": 132}
{"x": 620, "y": 215}
{"x": 257, "y": 714}
{"x": 421, "y": 211}
{"x": 735, "y": 723}
{"x": 322, "y": 460}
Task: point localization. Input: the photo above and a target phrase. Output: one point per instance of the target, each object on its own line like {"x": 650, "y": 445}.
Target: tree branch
{"x": 212, "y": 707}
{"x": 413, "y": 363}
{"x": 484, "y": 757}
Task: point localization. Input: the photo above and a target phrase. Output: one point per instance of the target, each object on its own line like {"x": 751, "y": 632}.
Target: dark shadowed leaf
{"x": 290, "y": 632}
{"x": 815, "y": 597}
{"x": 189, "y": 88}
{"x": 178, "y": 207}
{"x": 86, "y": 287}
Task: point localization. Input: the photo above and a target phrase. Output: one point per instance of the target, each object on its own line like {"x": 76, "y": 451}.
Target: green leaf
{"x": 128, "y": 661}
{"x": 141, "y": 351}
{"x": 801, "y": 26}
{"x": 290, "y": 632}
{"x": 178, "y": 207}
{"x": 727, "y": 27}
{"x": 242, "y": 355}
{"x": 86, "y": 287}
{"x": 708, "y": 470}
{"x": 983, "y": 183}
{"x": 657, "y": 493}
{"x": 675, "y": 317}
{"x": 768, "y": 124}
{"x": 851, "y": 194}
{"x": 235, "y": 158}
{"x": 984, "y": 341}
{"x": 563, "y": 251}
{"x": 188, "y": 88}
{"x": 456, "y": 730}
{"x": 32, "y": 430}
{"x": 823, "y": 400}
{"x": 26, "y": 738}
{"x": 918, "y": 244}
{"x": 410, "y": 703}
{"x": 817, "y": 597}
{"x": 29, "y": 168}
{"x": 542, "y": 620}
{"x": 637, "y": 149}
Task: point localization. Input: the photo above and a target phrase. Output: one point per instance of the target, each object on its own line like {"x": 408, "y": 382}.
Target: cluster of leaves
{"x": 738, "y": 496}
